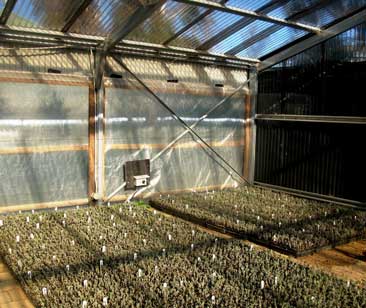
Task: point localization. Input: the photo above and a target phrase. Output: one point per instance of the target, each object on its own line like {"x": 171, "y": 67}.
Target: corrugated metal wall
{"x": 324, "y": 158}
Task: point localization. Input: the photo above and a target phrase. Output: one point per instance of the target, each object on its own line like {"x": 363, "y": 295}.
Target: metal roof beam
{"x": 75, "y": 15}
{"x": 9, "y": 6}
{"x": 142, "y": 13}
{"x": 330, "y": 32}
{"x": 191, "y": 24}
{"x": 240, "y": 24}
{"x": 252, "y": 14}
{"x": 94, "y": 42}
{"x": 273, "y": 29}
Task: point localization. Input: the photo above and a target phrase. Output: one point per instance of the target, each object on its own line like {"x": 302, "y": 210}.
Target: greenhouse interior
{"x": 182, "y": 153}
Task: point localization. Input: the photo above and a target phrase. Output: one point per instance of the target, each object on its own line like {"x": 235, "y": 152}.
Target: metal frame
{"x": 9, "y": 6}
{"x": 251, "y": 14}
{"x": 330, "y": 32}
{"x": 267, "y": 32}
{"x": 138, "y": 17}
{"x": 311, "y": 118}
{"x": 191, "y": 24}
{"x": 79, "y": 11}
{"x": 240, "y": 24}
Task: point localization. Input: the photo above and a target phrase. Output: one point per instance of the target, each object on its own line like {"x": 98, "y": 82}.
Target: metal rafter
{"x": 86, "y": 41}
{"x": 240, "y": 24}
{"x": 191, "y": 24}
{"x": 9, "y": 6}
{"x": 142, "y": 13}
{"x": 344, "y": 25}
{"x": 246, "y": 13}
{"x": 75, "y": 15}
{"x": 272, "y": 29}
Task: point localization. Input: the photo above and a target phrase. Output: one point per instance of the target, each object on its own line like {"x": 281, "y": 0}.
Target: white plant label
{"x": 54, "y": 258}
{"x": 125, "y": 234}
{"x": 104, "y": 249}
{"x": 84, "y": 304}
{"x": 32, "y": 211}
{"x": 77, "y": 207}
{"x": 156, "y": 269}
{"x": 163, "y": 250}
{"x": 37, "y": 225}
{"x": 105, "y": 301}
{"x": 67, "y": 267}
{"x": 64, "y": 223}
{"x": 108, "y": 204}
{"x": 165, "y": 285}
{"x": 114, "y": 224}
{"x": 144, "y": 241}
{"x": 213, "y": 257}
{"x": 17, "y": 238}
{"x": 139, "y": 273}
{"x": 29, "y": 274}
{"x": 10, "y": 250}
{"x": 213, "y": 299}
{"x": 44, "y": 291}
{"x": 154, "y": 212}
{"x": 262, "y": 284}
{"x": 89, "y": 220}
{"x": 112, "y": 217}
{"x": 56, "y": 209}
{"x": 135, "y": 256}
{"x": 192, "y": 246}
{"x": 1, "y": 222}
{"x": 20, "y": 212}
{"x": 101, "y": 263}
{"x": 85, "y": 283}
{"x": 251, "y": 248}
{"x": 27, "y": 219}
{"x": 237, "y": 221}
{"x": 276, "y": 281}
{"x": 169, "y": 237}
{"x": 40, "y": 217}
{"x": 65, "y": 215}
{"x": 193, "y": 232}
{"x": 32, "y": 236}
{"x": 199, "y": 259}
{"x": 72, "y": 242}
{"x": 187, "y": 206}
{"x": 120, "y": 210}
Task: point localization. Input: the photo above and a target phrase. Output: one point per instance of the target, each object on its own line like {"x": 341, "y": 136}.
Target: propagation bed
{"x": 130, "y": 256}
{"x": 279, "y": 221}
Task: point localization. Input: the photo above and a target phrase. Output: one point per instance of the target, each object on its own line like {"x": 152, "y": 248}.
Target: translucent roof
{"x": 229, "y": 28}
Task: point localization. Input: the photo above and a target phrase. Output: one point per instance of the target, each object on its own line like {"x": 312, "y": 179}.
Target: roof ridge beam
{"x": 250, "y": 14}
{"x": 9, "y": 6}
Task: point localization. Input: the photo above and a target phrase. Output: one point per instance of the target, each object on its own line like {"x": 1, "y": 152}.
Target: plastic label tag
{"x": 44, "y": 291}
{"x": 1, "y": 222}
{"x": 104, "y": 249}
{"x": 17, "y": 238}
{"x": 85, "y": 283}
{"x": 27, "y": 219}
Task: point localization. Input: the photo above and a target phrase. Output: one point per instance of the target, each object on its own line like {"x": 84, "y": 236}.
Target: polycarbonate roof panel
{"x": 335, "y": 10}
{"x": 294, "y": 6}
{"x": 241, "y": 36}
{"x": 250, "y": 5}
{"x": 274, "y": 41}
{"x": 205, "y": 29}
{"x": 104, "y": 17}
{"x": 43, "y": 14}
{"x": 164, "y": 23}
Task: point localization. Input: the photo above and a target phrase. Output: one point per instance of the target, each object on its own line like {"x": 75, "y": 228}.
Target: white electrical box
{"x": 141, "y": 180}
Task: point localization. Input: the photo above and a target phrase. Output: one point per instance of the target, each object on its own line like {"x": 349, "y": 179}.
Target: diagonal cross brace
{"x": 189, "y": 129}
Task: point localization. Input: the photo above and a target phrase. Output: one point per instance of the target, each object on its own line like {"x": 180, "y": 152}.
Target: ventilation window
{"x": 114, "y": 75}
{"x": 219, "y": 85}
{"x": 172, "y": 80}
{"x": 54, "y": 71}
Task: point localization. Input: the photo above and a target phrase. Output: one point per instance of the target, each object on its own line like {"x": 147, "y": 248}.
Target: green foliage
{"x": 292, "y": 223}
{"x": 154, "y": 261}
